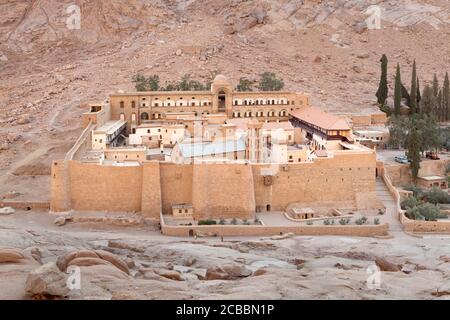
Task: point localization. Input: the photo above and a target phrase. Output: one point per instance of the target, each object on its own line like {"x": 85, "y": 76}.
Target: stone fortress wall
{"x": 215, "y": 190}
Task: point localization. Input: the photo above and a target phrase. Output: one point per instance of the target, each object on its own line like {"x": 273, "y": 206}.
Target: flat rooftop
{"x": 111, "y": 126}
{"x": 432, "y": 178}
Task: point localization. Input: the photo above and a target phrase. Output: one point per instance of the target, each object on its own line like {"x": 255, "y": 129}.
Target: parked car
{"x": 432, "y": 155}
{"x": 401, "y": 159}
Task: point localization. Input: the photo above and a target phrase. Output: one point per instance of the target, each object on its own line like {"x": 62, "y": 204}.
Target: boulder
{"x": 113, "y": 259}
{"x": 363, "y": 55}
{"x": 84, "y": 258}
{"x": 259, "y": 14}
{"x": 87, "y": 262}
{"x": 60, "y": 221}
{"x": 169, "y": 274}
{"x": 6, "y": 211}
{"x": 259, "y": 272}
{"x": 231, "y": 272}
{"x": 47, "y": 281}
{"x": 360, "y": 27}
{"x": 11, "y": 255}
{"x": 385, "y": 265}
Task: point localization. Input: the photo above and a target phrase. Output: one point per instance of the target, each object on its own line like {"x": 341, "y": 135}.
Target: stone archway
{"x": 222, "y": 101}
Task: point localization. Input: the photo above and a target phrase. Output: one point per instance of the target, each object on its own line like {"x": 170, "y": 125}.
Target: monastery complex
{"x": 216, "y": 154}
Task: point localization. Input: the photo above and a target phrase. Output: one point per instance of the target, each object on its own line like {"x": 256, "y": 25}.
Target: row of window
{"x": 249, "y": 114}
{"x": 251, "y": 102}
{"x": 155, "y": 116}
{"x": 247, "y": 102}
{"x": 169, "y": 104}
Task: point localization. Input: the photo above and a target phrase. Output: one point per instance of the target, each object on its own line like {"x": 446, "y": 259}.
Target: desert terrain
{"x": 49, "y": 72}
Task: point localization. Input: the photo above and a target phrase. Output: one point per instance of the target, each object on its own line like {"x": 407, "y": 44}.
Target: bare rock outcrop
{"x": 11, "y": 255}
{"x": 386, "y": 265}
{"x": 47, "y": 282}
{"x": 86, "y": 258}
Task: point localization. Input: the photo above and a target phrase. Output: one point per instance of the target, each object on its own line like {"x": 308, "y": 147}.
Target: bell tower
{"x": 221, "y": 89}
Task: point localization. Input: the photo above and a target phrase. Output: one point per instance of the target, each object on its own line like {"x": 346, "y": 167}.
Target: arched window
{"x": 133, "y": 117}
{"x": 133, "y": 104}
{"x": 144, "y": 116}
{"x": 122, "y": 116}
{"x": 122, "y": 104}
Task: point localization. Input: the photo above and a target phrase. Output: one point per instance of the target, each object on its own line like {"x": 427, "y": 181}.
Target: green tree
{"x": 439, "y": 107}
{"x": 428, "y": 101}
{"x": 446, "y": 97}
{"x": 142, "y": 83}
{"x": 413, "y": 102}
{"x": 429, "y": 131}
{"x": 413, "y": 144}
{"x": 397, "y": 91}
{"x": 244, "y": 85}
{"x": 398, "y": 130}
{"x": 418, "y": 95}
{"x": 269, "y": 82}
{"x": 406, "y": 96}
{"x": 383, "y": 90}
{"x": 435, "y": 85}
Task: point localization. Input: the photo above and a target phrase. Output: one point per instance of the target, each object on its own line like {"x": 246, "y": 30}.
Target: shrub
{"x": 222, "y": 221}
{"x": 410, "y": 202}
{"x": 361, "y": 221}
{"x": 142, "y": 83}
{"x": 269, "y": 82}
{"x": 244, "y": 85}
{"x": 436, "y": 195}
{"x": 416, "y": 190}
{"x": 207, "y": 222}
{"x": 425, "y": 211}
{"x": 376, "y": 221}
{"x": 257, "y": 221}
{"x": 344, "y": 221}
{"x": 309, "y": 223}
{"x": 326, "y": 222}
{"x": 381, "y": 211}
{"x": 234, "y": 221}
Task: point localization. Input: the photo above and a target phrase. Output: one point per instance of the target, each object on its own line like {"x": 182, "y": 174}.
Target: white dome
{"x": 220, "y": 78}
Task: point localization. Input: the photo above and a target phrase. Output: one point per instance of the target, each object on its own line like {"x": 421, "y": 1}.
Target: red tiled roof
{"x": 320, "y": 118}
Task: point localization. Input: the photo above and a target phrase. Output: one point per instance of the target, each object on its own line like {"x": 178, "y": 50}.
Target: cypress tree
{"x": 435, "y": 86}
{"x": 413, "y": 95}
{"x": 397, "y": 91}
{"x": 446, "y": 98}
{"x": 413, "y": 142}
{"x": 419, "y": 95}
{"x": 383, "y": 89}
{"x": 428, "y": 101}
{"x": 440, "y": 111}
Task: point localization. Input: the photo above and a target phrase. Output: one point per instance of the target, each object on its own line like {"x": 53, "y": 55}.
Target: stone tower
{"x": 254, "y": 148}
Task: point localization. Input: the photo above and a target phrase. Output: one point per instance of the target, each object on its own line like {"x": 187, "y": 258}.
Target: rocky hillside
{"x": 49, "y": 68}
